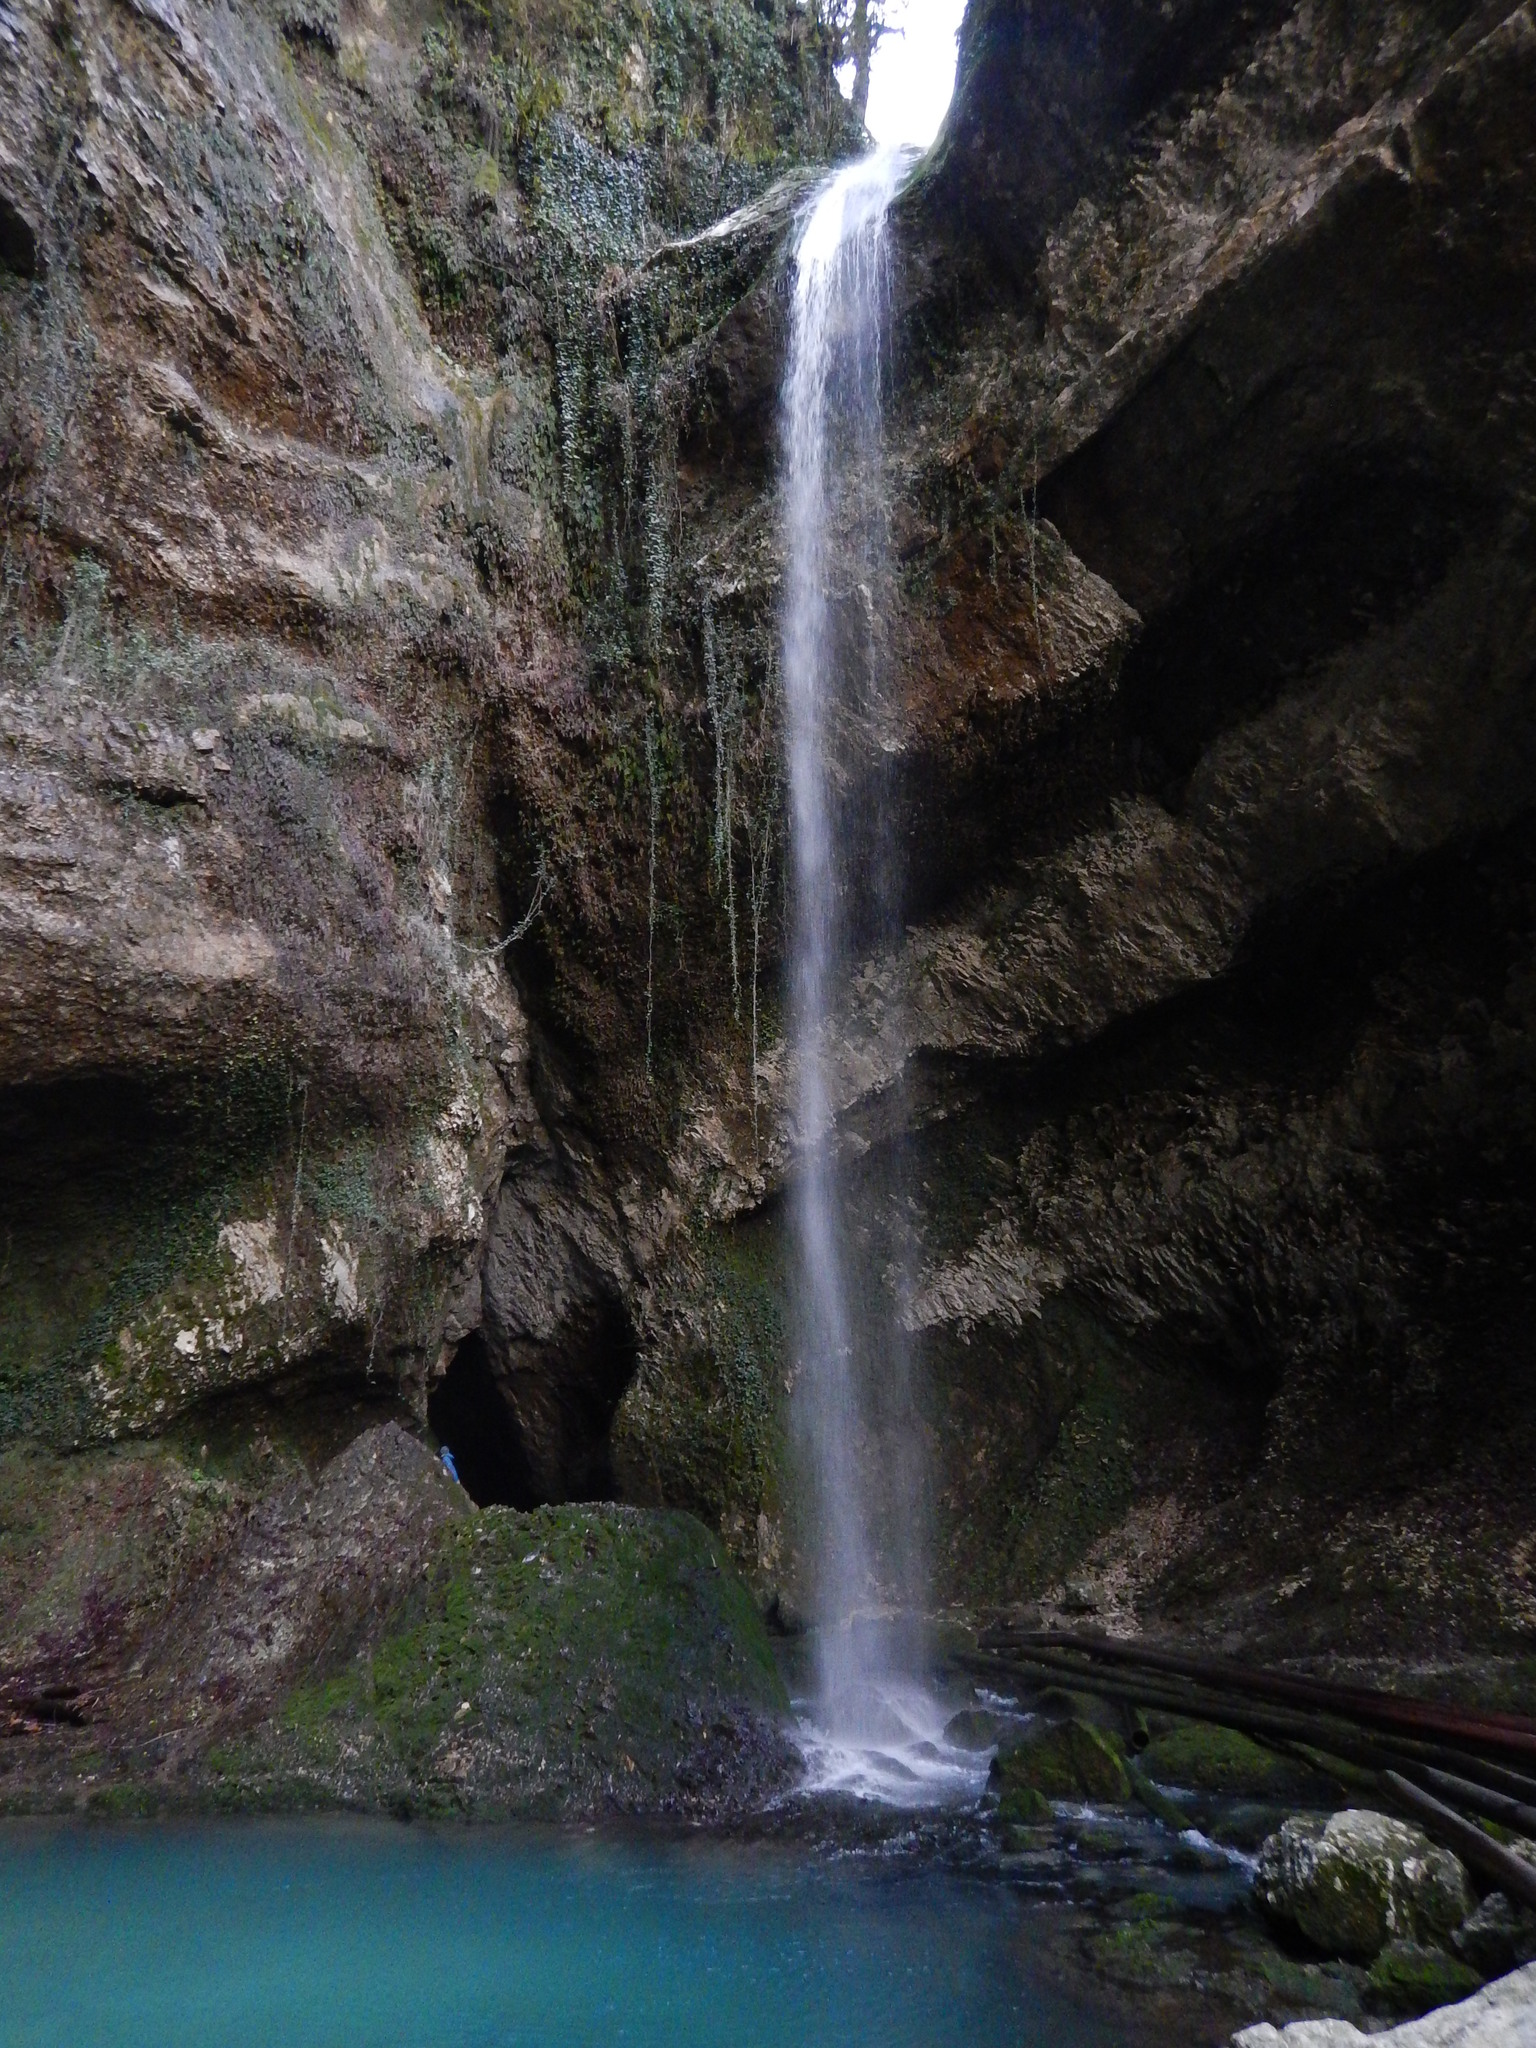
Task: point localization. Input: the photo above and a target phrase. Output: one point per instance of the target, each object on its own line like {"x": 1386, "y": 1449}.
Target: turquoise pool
{"x": 297, "y": 1934}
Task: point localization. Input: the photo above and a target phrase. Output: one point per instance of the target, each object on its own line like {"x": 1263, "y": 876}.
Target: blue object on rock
{"x": 450, "y": 1468}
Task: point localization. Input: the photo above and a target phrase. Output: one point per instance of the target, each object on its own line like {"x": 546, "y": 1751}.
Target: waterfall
{"x": 870, "y": 1703}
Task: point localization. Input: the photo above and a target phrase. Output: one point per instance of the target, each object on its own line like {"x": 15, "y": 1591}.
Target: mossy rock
{"x": 975, "y": 1728}
{"x": 566, "y": 1659}
{"x": 1022, "y": 1806}
{"x": 1145, "y": 1954}
{"x": 1155, "y": 1800}
{"x": 1407, "y": 1979}
{"x": 1201, "y": 1758}
{"x": 1360, "y": 1880}
{"x": 1062, "y": 1760}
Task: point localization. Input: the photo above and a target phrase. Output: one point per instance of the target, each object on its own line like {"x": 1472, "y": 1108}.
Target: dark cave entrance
{"x": 545, "y": 1436}
{"x": 468, "y": 1414}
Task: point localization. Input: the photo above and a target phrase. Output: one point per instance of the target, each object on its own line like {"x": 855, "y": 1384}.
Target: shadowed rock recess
{"x": 392, "y": 877}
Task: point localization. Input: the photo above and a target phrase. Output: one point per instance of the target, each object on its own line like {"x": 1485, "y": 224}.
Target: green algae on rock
{"x": 1408, "y": 1978}
{"x": 1058, "y": 1760}
{"x": 1198, "y": 1757}
{"x": 1359, "y": 1880}
{"x": 565, "y": 1660}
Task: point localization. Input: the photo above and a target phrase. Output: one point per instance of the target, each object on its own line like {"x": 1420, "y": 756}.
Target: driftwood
{"x": 1512, "y": 1736}
{"x": 1336, "y": 1738}
{"x": 1332, "y": 1736}
{"x": 1368, "y": 1748}
{"x": 1513, "y": 1876}
{"x": 1509, "y": 1813}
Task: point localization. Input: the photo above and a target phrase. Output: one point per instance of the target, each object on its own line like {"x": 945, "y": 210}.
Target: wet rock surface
{"x": 391, "y": 911}
{"x": 1498, "y": 2017}
{"x": 1362, "y": 1880}
{"x": 1499, "y": 1936}
{"x": 364, "y": 1638}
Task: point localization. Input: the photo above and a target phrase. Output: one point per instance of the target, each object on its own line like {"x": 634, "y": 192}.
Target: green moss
{"x": 1157, "y": 1802}
{"x": 558, "y": 1655}
{"x": 1407, "y": 1979}
{"x": 120, "y": 1801}
{"x": 1202, "y": 1758}
{"x": 702, "y": 1427}
{"x": 118, "y": 1205}
{"x": 1023, "y": 1806}
{"x": 1082, "y": 1487}
{"x": 1144, "y": 1954}
{"x": 1061, "y": 1760}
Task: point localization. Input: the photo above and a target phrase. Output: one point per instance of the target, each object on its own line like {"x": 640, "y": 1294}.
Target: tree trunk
{"x": 860, "y": 43}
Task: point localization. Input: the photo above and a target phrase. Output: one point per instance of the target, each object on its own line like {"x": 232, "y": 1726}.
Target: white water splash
{"x": 873, "y": 1729}
{"x": 895, "y": 1751}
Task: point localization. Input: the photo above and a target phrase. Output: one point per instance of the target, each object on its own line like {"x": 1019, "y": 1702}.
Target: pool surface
{"x": 287, "y": 1934}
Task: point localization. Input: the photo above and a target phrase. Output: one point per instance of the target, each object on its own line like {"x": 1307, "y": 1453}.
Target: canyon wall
{"x": 391, "y": 825}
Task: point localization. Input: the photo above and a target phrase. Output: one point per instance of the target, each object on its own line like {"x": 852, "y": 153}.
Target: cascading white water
{"x": 875, "y": 1729}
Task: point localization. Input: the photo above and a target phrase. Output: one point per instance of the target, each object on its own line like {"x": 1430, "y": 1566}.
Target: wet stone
{"x": 1359, "y": 1880}
{"x": 1408, "y": 1978}
{"x": 1060, "y": 1760}
{"x": 1498, "y": 1937}
{"x": 976, "y": 1728}
{"x": 1200, "y": 1758}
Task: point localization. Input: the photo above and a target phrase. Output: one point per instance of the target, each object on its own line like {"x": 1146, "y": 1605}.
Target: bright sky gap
{"x": 912, "y": 73}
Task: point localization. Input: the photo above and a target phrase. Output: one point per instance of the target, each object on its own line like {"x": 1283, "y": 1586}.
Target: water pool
{"x": 297, "y": 1934}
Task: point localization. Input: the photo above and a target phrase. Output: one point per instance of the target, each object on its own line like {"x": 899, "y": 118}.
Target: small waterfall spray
{"x": 871, "y": 1710}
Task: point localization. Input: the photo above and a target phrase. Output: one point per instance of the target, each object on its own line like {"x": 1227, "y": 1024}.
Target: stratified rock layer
{"x": 392, "y": 832}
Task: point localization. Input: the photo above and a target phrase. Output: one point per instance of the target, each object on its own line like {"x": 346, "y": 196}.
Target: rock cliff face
{"x": 1211, "y": 1035}
{"x": 391, "y": 885}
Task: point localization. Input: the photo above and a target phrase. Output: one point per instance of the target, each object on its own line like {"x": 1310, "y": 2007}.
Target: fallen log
{"x": 1509, "y": 1813}
{"x": 1220, "y": 1713}
{"x": 1510, "y": 1735}
{"x": 1363, "y": 1749}
{"x": 1479, "y": 1851}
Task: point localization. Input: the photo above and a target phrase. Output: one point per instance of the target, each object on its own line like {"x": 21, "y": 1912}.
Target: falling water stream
{"x": 874, "y": 1728}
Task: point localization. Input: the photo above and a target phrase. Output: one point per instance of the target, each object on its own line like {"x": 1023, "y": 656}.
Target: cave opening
{"x": 468, "y": 1414}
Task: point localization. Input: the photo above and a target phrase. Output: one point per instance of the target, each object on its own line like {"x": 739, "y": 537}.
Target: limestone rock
{"x": 1499, "y": 1936}
{"x": 1358, "y": 1880}
{"x": 1502, "y": 2015}
{"x": 564, "y": 1661}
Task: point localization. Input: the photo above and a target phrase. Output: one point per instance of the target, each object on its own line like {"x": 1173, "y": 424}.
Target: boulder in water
{"x": 975, "y": 1728}
{"x": 1358, "y": 1880}
{"x": 1059, "y": 1760}
{"x": 1202, "y": 1758}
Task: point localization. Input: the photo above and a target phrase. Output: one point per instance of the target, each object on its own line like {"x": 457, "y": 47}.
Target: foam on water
{"x": 887, "y": 1744}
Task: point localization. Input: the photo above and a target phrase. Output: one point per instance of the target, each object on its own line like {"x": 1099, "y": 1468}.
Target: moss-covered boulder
{"x": 976, "y": 1728}
{"x": 1057, "y": 1760}
{"x": 1408, "y": 1978}
{"x": 562, "y": 1661}
{"x": 1201, "y": 1758}
{"x": 1359, "y": 1880}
